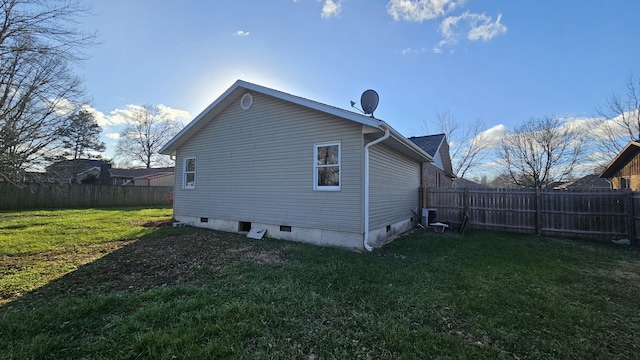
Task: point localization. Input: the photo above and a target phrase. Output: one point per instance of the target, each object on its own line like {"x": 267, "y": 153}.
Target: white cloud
{"x": 172, "y": 114}
{"x": 480, "y": 26}
{"x": 483, "y": 28}
{"x": 120, "y": 116}
{"x": 476, "y": 26}
{"x": 63, "y": 107}
{"x": 584, "y": 124}
{"x": 242, "y": 33}
{"x": 114, "y": 136}
{"x": 491, "y": 136}
{"x": 447, "y": 29}
{"x": 413, "y": 51}
{"x": 421, "y": 10}
{"x": 123, "y": 116}
{"x": 331, "y": 8}
{"x": 615, "y": 126}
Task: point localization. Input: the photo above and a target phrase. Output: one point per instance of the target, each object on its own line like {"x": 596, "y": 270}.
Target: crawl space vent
{"x": 246, "y": 101}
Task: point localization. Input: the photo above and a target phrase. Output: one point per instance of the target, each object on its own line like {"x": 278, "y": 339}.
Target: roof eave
{"x": 419, "y": 153}
{"x": 621, "y": 159}
{"x": 170, "y": 147}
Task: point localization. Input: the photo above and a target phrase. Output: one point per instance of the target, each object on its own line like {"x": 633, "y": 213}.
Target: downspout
{"x": 366, "y": 188}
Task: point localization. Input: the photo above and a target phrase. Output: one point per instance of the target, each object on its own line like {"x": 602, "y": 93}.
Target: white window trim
{"x": 315, "y": 167}
{"x": 626, "y": 181}
{"x": 185, "y": 172}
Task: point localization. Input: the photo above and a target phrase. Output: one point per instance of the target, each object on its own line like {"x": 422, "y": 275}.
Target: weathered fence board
{"x": 596, "y": 214}
{"x": 39, "y": 196}
{"x": 636, "y": 215}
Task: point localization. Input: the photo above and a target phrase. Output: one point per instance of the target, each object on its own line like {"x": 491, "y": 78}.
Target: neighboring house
{"x": 624, "y": 171}
{"x": 591, "y": 181}
{"x": 72, "y": 171}
{"x": 439, "y": 173}
{"x": 127, "y": 176}
{"x": 94, "y": 171}
{"x": 159, "y": 179}
{"x": 462, "y": 183}
{"x": 260, "y": 159}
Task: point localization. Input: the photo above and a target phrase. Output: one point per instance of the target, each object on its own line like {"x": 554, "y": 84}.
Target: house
{"x": 72, "y": 171}
{"x": 439, "y": 173}
{"x": 624, "y": 171}
{"x": 91, "y": 173}
{"x": 158, "y": 179}
{"x": 591, "y": 182}
{"x": 75, "y": 171}
{"x": 462, "y": 183}
{"x": 128, "y": 176}
{"x": 261, "y": 159}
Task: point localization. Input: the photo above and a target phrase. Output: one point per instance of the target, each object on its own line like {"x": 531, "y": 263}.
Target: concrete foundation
{"x": 320, "y": 237}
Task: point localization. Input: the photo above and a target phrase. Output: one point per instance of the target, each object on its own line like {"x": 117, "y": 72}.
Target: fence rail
{"x": 595, "y": 214}
{"x": 38, "y": 196}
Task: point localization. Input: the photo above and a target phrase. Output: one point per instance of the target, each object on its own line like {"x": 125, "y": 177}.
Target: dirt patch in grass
{"x": 23, "y": 273}
{"x": 78, "y": 255}
{"x": 248, "y": 253}
{"x": 153, "y": 223}
{"x": 170, "y": 261}
{"x": 184, "y": 257}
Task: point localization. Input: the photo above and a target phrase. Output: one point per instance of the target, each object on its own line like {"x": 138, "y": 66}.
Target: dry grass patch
{"x": 21, "y": 274}
{"x": 628, "y": 273}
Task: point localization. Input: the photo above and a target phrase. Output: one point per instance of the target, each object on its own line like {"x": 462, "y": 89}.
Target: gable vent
{"x": 246, "y": 101}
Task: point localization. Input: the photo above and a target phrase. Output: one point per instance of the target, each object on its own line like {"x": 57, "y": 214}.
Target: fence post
{"x": 465, "y": 201}
{"x": 631, "y": 216}
{"x": 538, "y": 213}
{"x": 425, "y": 197}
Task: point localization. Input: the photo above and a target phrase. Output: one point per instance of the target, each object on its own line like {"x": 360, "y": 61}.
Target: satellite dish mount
{"x": 368, "y": 102}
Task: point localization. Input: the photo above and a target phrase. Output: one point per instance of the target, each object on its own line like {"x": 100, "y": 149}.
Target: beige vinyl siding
{"x": 163, "y": 180}
{"x": 256, "y": 165}
{"x": 394, "y": 181}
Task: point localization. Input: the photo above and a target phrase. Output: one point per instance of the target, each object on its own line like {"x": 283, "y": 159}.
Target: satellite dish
{"x": 369, "y": 101}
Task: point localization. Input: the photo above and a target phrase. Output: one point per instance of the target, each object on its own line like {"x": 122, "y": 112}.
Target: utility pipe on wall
{"x": 366, "y": 187}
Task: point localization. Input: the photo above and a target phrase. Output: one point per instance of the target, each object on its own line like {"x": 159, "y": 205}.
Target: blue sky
{"x": 503, "y": 61}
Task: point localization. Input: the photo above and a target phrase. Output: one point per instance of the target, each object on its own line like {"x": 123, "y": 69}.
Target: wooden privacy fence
{"x": 595, "y": 214}
{"x": 38, "y": 196}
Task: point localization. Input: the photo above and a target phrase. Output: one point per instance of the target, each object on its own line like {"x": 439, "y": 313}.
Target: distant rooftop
{"x": 429, "y": 143}
{"x": 132, "y": 173}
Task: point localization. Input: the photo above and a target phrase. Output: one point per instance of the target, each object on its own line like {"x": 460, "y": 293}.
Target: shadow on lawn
{"x": 166, "y": 257}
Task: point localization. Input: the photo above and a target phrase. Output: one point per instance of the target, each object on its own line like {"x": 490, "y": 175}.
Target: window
{"x": 326, "y": 168}
{"x": 624, "y": 183}
{"x": 438, "y": 182}
{"x": 189, "y": 173}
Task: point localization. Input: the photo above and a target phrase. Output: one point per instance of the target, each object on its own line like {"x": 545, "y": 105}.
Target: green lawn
{"x": 124, "y": 287}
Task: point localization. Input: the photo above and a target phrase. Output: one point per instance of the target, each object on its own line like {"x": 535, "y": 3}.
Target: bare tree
{"x": 144, "y": 136}
{"x": 81, "y": 135}
{"x": 465, "y": 142}
{"x": 620, "y": 121}
{"x": 37, "y": 45}
{"x": 541, "y": 151}
{"x": 502, "y": 180}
